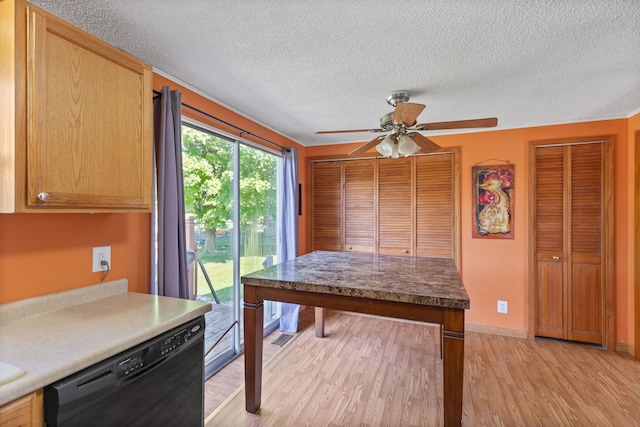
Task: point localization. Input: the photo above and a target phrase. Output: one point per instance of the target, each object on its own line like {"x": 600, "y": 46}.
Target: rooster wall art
{"x": 493, "y": 202}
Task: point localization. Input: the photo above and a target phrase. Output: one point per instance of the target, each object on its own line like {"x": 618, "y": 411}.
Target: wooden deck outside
{"x": 218, "y": 321}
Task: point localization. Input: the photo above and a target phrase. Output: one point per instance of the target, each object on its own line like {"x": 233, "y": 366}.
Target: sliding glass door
{"x": 230, "y": 201}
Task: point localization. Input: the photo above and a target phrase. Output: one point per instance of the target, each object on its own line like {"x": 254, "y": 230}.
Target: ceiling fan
{"x": 400, "y": 124}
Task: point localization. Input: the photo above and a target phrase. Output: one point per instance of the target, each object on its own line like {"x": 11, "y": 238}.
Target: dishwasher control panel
{"x": 162, "y": 347}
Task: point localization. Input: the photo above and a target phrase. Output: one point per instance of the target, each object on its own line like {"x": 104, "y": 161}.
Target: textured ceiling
{"x": 308, "y": 65}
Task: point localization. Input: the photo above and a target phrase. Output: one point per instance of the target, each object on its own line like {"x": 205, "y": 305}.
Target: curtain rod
{"x": 242, "y": 131}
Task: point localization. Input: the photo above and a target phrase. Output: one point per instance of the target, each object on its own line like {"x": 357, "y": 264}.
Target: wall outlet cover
{"x": 503, "y": 307}
{"x": 101, "y": 253}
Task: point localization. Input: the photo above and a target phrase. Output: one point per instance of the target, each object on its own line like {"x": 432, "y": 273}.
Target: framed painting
{"x": 493, "y": 202}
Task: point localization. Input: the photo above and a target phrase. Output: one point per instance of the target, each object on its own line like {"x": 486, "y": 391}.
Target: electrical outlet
{"x": 503, "y": 307}
{"x": 101, "y": 253}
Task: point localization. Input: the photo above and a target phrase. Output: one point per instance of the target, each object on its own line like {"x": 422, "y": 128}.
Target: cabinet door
{"x": 359, "y": 206}
{"x": 549, "y": 241}
{"x": 326, "y": 208}
{"x": 89, "y": 124}
{"x": 395, "y": 206}
{"x": 25, "y": 411}
{"x": 435, "y": 206}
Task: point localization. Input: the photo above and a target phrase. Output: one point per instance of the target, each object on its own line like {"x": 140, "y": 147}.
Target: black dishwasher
{"x": 157, "y": 383}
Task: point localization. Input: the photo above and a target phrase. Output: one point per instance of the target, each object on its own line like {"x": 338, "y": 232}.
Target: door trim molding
{"x": 607, "y": 238}
{"x": 636, "y": 251}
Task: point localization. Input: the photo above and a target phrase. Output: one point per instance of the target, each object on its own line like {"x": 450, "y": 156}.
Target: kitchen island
{"x": 423, "y": 289}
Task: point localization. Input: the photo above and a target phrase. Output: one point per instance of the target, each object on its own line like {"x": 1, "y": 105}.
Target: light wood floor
{"x": 224, "y": 383}
{"x": 372, "y": 371}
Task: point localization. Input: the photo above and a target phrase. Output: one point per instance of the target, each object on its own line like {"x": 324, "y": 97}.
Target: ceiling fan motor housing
{"x": 386, "y": 121}
{"x": 397, "y": 96}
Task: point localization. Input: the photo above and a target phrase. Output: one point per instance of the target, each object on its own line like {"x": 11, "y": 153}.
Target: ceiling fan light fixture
{"x": 386, "y": 146}
{"x": 406, "y": 145}
{"x": 394, "y": 150}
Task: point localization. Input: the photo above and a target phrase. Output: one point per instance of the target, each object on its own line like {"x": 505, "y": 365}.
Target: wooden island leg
{"x": 453, "y": 365}
{"x": 253, "y": 325}
{"x": 319, "y": 321}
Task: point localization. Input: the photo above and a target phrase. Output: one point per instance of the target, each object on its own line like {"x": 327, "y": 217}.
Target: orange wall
{"x": 497, "y": 269}
{"x": 46, "y": 253}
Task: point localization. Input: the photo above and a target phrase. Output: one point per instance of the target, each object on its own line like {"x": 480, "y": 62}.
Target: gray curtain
{"x": 172, "y": 253}
{"x": 288, "y": 241}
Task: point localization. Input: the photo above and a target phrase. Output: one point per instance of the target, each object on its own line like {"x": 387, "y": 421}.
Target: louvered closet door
{"x": 586, "y": 309}
{"x": 359, "y": 205}
{"x": 570, "y": 286}
{"x": 549, "y": 229}
{"x": 395, "y": 206}
{"x": 326, "y": 206}
{"x": 434, "y": 206}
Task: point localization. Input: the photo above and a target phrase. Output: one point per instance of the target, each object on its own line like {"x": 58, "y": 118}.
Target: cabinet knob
{"x": 555, "y": 257}
{"x": 43, "y": 196}
{"x": 406, "y": 251}
{"x": 350, "y": 248}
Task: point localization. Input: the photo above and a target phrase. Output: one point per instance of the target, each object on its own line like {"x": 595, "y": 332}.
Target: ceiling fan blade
{"x": 426, "y": 145}
{"x": 407, "y": 113}
{"x": 459, "y": 124}
{"x": 366, "y": 147}
{"x": 324, "y": 132}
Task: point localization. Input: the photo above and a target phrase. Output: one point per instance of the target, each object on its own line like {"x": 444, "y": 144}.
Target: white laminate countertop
{"x": 53, "y": 336}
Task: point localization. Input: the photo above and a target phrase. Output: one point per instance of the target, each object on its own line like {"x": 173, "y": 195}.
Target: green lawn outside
{"x": 219, "y": 267}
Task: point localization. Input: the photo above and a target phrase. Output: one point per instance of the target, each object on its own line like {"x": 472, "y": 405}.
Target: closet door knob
{"x": 43, "y": 196}
{"x": 555, "y": 257}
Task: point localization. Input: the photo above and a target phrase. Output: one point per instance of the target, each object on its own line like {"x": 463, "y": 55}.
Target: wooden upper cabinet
{"x": 359, "y": 206}
{"x": 86, "y": 143}
{"x": 395, "y": 206}
{"x": 326, "y": 206}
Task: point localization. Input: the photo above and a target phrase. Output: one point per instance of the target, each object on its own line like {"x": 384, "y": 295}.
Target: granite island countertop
{"x": 53, "y": 336}
{"x": 417, "y": 280}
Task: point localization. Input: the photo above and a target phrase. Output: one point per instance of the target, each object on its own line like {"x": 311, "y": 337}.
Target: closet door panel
{"x": 550, "y": 294}
{"x": 586, "y": 199}
{"x": 395, "y": 206}
{"x": 359, "y": 205}
{"x": 327, "y": 226}
{"x": 585, "y": 322}
{"x": 549, "y": 241}
{"x": 434, "y": 206}
{"x": 586, "y": 229}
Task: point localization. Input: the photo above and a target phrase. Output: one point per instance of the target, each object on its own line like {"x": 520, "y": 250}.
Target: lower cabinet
{"x": 25, "y": 411}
